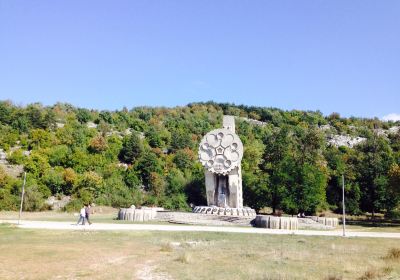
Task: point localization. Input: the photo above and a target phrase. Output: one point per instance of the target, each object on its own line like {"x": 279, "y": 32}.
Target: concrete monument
{"x": 221, "y": 152}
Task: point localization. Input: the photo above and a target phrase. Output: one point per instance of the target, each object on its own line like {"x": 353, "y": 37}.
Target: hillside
{"x": 293, "y": 160}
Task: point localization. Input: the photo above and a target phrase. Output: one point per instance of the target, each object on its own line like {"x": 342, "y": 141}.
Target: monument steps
{"x": 203, "y": 219}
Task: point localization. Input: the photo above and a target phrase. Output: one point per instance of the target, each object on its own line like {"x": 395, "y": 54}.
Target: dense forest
{"x": 148, "y": 156}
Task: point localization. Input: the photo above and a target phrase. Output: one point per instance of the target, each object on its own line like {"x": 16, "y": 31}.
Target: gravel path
{"x": 181, "y": 228}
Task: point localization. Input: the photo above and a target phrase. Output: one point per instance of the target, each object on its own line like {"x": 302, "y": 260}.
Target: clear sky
{"x": 335, "y": 56}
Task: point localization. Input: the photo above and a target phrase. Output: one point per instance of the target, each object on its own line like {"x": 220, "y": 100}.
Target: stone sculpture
{"x": 221, "y": 152}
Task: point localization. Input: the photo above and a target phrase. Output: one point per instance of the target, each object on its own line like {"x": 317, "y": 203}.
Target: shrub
{"x": 8, "y": 201}
{"x": 33, "y": 199}
{"x": 74, "y": 205}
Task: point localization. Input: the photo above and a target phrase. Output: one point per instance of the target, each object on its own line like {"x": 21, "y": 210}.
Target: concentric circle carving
{"x": 220, "y": 151}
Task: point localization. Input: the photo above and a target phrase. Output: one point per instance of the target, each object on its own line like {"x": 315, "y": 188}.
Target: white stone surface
{"x": 91, "y": 125}
{"x": 220, "y": 151}
{"x": 134, "y": 214}
{"x": 345, "y": 140}
{"x": 272, "y": 222}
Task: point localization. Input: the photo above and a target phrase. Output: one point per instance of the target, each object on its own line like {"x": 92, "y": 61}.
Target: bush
{"x": 74, "y": 205}
{"x": 176, "y": 202}
{"x": 393, "y": 214}
{"x": 33, "y": 199}
{"x": 16, "y": 157}
{"x": 8, "y": 201}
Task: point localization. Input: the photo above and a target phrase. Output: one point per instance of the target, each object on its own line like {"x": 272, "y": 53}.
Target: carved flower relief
{"x": 220, "y": 151}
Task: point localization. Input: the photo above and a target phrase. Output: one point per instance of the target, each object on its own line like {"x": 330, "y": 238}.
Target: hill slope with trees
{"x": 148, "y": 156}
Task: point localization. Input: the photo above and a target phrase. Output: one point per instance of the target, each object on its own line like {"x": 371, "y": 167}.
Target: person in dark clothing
{"x": 87, "y": 210}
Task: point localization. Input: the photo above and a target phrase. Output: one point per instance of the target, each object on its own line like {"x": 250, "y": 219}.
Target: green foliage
{"x": 34, "y": 199}
{"x": 98, "y": 144}
{"x": 54, "y": 180}
{"x": 132, "y": 179}
{"x": 132, "y": 148}
{"x": 184, "y": 159}
{"x": 16, "y": 157}
{"x": 181, "y": 140}
{"x": 37, "y": 163}
{"x": 149, "y": 163}
{"x": 9, "y": 193}
{"x": 373, "y": 165}
{"x": 74, "y": 205}
{"x": 296, "y": 176}
{"x": 83, "y": 115}
{"x": 58, "y": 155}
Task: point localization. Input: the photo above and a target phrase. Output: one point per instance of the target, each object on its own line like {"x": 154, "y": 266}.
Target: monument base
{"x": 214, "y": 210}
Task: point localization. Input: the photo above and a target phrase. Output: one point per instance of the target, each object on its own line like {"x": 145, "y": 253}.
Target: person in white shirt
{"x": 82, "y": 216}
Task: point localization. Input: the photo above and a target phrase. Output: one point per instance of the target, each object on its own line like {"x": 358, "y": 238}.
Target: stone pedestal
{"x": 143, "y": 214}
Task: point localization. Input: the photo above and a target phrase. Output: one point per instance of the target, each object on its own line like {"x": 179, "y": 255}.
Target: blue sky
{"x": 333, "y": 56}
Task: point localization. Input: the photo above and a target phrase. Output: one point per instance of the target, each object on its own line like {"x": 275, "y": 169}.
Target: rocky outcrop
{"x": 253, "y": 121}
{"x": 345, "y": 140}
{"x": 57, "y": 204}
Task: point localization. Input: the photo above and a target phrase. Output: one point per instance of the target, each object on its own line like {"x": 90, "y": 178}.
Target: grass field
{"x": 41, "y": 254}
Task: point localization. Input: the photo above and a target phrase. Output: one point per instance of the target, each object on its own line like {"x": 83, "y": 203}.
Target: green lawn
{"x": 46, "y": 254}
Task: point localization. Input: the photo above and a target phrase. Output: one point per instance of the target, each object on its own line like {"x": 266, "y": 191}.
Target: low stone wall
{"x": 212, "y": 210}
{"x": 138, "y": 214}
{"x": 273, "y": 222}
{"x": 330, "y": 222}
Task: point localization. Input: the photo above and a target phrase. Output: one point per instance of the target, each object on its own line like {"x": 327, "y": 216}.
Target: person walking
{"x": 82, "y": 216}
{"x": 87, "y": 213}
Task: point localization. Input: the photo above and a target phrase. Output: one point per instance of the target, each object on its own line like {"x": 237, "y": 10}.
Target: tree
{"x": 53, "y": 179}
{"x": 180, "y": 140}
{"x": 156, "y": 184}
{"x": 374, "y": 163}
{"x": 295, "y": 169}
{"x": 40, "y": 138}
{"x": 277, "y": 154}
{"x": 154, "y": 138}
{"x": 35, "y": 117}
{"x": 184, "y": 159}
{"x": 132, "y": 179}
{"x": 71, "y": 179}
{"x": 341, "y": 162}
{"x": 98, "y": 144}
{"x": 393, "y": 191}
{"x": 132, "y": 149}
{"x": 92, "y": 182}
{"x": 5, "y": 112}
{"x": 147, "y": 164}
{"x": 83, "y": 115}
{"x": 58, "y": 155}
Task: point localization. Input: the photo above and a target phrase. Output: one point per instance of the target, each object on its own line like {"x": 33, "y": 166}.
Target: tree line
{"x": 148, "y": 156}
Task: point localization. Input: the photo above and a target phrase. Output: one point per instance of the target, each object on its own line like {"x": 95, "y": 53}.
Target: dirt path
{"x": 147, "y": 227}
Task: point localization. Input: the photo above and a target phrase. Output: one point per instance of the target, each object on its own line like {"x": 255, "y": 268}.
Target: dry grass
{"x": 166, "y": 247}
{"x": 40, "y": 254}
{"x": 370, "y": 275}
{"x": 333, "y": 277}
{"x": 393, "y": 254}
{"x": 183, "y": 257}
